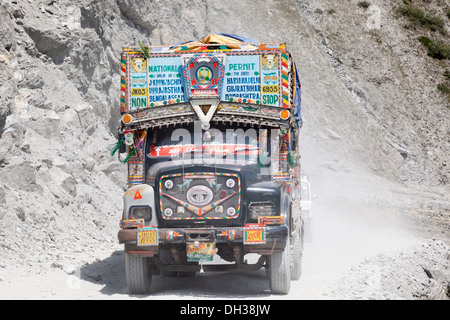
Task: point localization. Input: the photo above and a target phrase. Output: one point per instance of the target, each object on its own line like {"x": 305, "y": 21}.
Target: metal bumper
{"x": 274, "y": 238}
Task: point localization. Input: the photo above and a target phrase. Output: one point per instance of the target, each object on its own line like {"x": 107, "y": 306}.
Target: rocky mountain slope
{"x": 370, "y": 104}
{"x": 374, "y": 48}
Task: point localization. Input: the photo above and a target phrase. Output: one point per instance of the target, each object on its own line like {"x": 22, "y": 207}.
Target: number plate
{"x": 147, "y": 237}
{"x": 270, "y": 89}
{"x": 254, "y": 235}
{"x": 200, "y": 251}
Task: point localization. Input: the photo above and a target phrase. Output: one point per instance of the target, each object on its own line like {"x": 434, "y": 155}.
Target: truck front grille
{"x": 200, "y": 196}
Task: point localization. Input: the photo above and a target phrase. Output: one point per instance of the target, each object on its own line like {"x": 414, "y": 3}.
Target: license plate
{"x": 147, "y": 237}
{"x": 254, "y": 235}
{"x": 200, "y": 251}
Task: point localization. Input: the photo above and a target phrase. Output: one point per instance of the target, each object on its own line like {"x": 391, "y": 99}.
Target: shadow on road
{"x": 110, "y": 273}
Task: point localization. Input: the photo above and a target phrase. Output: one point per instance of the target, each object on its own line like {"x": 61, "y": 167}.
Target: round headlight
{"x": 230, "y": 183}
{"x": 168, "y": 212}
{"x": 231, "y": 211}
{"x": 168, "y": 184}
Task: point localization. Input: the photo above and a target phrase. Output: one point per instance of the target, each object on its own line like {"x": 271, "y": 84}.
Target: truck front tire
{"x": 297, "y": 251}
{"x": 138, "y": 277}
{"x": 280, "y": 270}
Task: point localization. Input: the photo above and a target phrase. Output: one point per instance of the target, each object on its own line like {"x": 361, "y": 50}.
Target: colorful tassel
{"x": 117, "y": 146}
{"x": 129, "y": 155}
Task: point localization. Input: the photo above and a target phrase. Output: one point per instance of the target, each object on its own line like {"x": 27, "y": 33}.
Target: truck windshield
{"x": 218, "y": 142}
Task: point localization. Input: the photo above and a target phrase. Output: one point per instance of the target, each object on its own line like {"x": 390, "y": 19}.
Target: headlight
{"x": 231, "y": 211}
{"x": 141, "y": 213}
{"x": 168, "y": 212}
{"x": 168, "y": 184}
{"x": 258, "y": 209}
{"x": 230, "y": 183}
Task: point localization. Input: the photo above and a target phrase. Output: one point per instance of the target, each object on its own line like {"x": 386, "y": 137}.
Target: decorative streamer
{"x": 144, "y": 49}
{"x": 129, "y": 155}
{"x": 117, "y": 146}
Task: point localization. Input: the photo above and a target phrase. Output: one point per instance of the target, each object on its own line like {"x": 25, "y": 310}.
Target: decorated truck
{"x": 210, "y": 137}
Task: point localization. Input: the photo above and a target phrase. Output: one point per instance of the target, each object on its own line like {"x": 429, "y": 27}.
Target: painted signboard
{"x": 242, "y": 78}
{"x": 138, "y": 83}
{"x": 165, "y": 80}
{"x": 270, "y": 89}
{"x": 166, "y": 83}
{"x": 252, "y": 78}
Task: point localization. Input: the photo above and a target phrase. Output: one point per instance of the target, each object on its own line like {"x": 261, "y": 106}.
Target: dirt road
{"x": 357, "y": 252}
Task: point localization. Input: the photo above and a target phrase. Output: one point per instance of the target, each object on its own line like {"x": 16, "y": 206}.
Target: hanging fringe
{"x": 117, "y": 146}
{"x": 129, "y": 155}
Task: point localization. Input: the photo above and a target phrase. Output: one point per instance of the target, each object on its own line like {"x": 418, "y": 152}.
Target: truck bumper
{"x": 256, "y": 239}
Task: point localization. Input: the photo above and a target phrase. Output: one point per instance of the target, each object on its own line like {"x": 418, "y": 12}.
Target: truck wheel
{"x": 139, "y": 278}
{"x": 297, "y": 251}
{"x": 280, "y": 270}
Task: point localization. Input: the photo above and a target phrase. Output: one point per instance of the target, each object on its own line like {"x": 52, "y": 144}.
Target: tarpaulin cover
{"x": 219, "y": 38}
{"x": 297, "y": 99}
